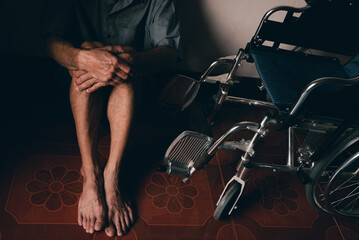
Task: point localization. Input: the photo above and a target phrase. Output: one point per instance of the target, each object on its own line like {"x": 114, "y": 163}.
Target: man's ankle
{"x": 90, "y": 173}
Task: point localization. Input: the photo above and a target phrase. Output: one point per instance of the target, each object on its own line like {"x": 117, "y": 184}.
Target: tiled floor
{"x": 40, "y": 186}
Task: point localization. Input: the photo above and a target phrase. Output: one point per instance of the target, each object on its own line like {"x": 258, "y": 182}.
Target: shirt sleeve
{"x": 164, "y": 25}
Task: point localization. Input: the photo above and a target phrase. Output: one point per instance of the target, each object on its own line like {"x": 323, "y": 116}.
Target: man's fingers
{"x": 95, "y": 87}
{"x": 79, "y": 73}
{"x": 89, "y": 83}
{"x": 91, "y": 45}
{"x": 128, "y": 49}
{"x": 97, "y": 44}
{"x": 123, "y": 49}
{"x": 119, "y": 49}
{"x": 123, "y": 66}
{"x": 116, "y": 80}
{"x": 83, "y": 78}
{"x": 127, "y": 57}
{"x": 120, "y": 76}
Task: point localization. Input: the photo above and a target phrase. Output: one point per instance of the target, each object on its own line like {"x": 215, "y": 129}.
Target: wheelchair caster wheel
{"x": 225, "y": 205}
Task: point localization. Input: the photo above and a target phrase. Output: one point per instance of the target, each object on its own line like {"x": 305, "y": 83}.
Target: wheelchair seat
{"x": 285, "y": 74}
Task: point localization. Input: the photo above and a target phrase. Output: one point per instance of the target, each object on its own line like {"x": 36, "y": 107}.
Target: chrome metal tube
{"x": 256, "y": 136}
{"x": 249, "y": 101}
{"x": 290, "y": 161}
{"x": 271, "y": 166}
{"x": 276, "y": 9}
{"x": 319, "y": 82}
{"x": 219, "y": 61}
{"x": 233, "y": 129}
{"x": 239, "y": 57}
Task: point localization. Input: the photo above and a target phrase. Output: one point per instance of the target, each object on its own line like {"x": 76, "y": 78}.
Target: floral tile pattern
{"x": 166, "y": 197}
{"x": 280, "y": 202}
{"x": 277, "y": 195}
{"x": 55, "y": 188}
{"x": 171, "y": 193}
{"x": 44, "y": 189}
{"x": 39, "y": 197}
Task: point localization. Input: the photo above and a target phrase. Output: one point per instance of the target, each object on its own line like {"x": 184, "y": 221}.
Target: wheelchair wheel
{"x": 227, "y": 201}
{"x": 331, "y": 179}
{"x": 342, "y": 191}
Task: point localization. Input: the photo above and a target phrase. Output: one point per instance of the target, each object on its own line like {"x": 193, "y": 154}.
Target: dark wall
{"x": 20, "y": 23}
{"x": 33, "y": 93}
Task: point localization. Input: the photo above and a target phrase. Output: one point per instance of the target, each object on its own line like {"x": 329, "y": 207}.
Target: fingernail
{"x": 77, "y": 89}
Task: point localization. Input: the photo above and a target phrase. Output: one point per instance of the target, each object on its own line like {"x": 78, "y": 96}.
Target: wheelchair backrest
{"x": 323, "y": 25}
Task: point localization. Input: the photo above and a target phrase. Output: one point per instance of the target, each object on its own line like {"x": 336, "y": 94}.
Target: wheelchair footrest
{"x": 184, "y": 151}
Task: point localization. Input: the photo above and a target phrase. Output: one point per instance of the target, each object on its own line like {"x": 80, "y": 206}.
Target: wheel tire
{"x": 341, "y": 193}
{"x": 326, "y": 167}
{"x": 227, "y": 201}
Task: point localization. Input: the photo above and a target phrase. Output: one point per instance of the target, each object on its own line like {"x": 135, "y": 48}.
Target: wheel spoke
{"x": 340, "y": 186}
{"x": 348, "y": 196}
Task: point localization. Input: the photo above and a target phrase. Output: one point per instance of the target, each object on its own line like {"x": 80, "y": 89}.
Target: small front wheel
{"x": 228, "y": 200}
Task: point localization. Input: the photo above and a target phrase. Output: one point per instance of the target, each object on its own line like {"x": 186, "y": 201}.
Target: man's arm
{"x": 100, "y": 64}
{"x": 150, "y": 61}
{"x": 142, "y": 63}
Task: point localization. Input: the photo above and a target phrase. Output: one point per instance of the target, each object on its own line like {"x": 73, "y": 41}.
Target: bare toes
{"x": 110, "y": 231}
{"x": 85, "y": 224}
{"x": 79, "y": 219}
{"x": 118, "y": 227}
{"x": 91, "y": 225}
{"x": 98, "y": 225}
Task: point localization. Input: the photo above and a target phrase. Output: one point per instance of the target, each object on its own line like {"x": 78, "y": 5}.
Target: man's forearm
{"x": 153, "y": 60}
{"x": 63, "y": 52}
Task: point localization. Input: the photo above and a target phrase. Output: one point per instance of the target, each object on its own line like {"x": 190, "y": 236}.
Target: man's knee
{"x": 126, "y": 87}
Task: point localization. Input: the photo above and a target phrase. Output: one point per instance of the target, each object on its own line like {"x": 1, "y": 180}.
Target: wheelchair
{"x": 308, "y": 89}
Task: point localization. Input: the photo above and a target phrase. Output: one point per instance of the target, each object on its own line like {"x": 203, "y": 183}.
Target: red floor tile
{"x": 40, "y": 191}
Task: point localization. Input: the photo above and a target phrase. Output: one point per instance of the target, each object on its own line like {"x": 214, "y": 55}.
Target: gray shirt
{"x": 142, "y": 24}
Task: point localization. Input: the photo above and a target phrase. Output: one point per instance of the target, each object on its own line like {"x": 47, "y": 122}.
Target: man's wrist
{"x": 80, "y": 56}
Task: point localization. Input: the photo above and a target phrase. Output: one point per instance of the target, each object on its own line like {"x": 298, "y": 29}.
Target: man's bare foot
{"x": 91, "y": 209}
{"x": 120, "y": 213}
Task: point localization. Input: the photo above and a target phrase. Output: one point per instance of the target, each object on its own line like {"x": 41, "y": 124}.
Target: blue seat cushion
{"x": 352, "y": 67}
{"x": 285, "y": 74}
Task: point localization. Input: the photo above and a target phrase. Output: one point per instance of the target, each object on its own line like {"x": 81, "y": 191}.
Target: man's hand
{"x": 102, "y": 66}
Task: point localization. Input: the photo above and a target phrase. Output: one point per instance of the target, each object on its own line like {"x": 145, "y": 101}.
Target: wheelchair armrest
{"x": 232, "y": 57}
{"x": 229, "y": 60}
{"x": 222, "y": 78}
{"x": 218, "y": 62}
{"x": 320, "y": 82}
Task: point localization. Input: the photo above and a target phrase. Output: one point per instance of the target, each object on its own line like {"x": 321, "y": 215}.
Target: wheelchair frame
{"x": 313, "y": 161}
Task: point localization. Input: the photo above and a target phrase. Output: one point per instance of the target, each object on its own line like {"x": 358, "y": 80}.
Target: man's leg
{"x": 87, "y": 110}
{"x": 119, "y": 112}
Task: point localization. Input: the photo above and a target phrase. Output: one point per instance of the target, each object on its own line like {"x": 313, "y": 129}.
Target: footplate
{"x": 184, "y": 151}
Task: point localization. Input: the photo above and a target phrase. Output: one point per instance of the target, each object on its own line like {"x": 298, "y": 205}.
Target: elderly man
{"x": 108, "y": 44}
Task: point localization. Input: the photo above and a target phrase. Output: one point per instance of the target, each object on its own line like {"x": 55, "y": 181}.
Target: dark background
{"x": 34, "y": 89}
